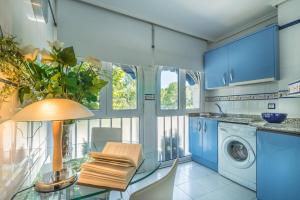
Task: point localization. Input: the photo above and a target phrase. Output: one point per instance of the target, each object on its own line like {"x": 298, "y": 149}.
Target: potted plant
{"x": 40, "y": 74}
{"x": 13, "y": 71}
{"x": 59, "y": 74}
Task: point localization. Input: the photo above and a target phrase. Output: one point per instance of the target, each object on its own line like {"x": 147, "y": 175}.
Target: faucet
{"x": 220, "y": 110}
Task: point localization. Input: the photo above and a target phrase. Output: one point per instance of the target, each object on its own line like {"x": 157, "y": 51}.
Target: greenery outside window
{"x": 178, "y": 91}
{"x": 169, "y": 89}
{"x": 123, "y": 95}
{"x": 124, "y": 87}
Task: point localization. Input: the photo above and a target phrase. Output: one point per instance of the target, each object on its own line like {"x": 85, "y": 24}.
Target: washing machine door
{"x": 238, "y": 152}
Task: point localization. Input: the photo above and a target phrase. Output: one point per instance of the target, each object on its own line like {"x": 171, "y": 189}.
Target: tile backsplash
{"x": 252, "y": 99}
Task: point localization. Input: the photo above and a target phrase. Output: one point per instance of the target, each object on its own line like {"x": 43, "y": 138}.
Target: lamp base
{"x": 55, "y": 181}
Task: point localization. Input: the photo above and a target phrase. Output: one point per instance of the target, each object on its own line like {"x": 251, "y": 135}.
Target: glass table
{"x": 148, "y": 167}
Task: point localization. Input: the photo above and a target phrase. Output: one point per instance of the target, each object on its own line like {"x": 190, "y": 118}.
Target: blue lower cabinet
{"x": 278, "y": 166}
{"x": 195, "y": 139}
{"x": 203, "y": 141}
{"x": 210, "y": 143}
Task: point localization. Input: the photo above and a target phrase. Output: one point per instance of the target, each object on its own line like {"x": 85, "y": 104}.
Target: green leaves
{"x": 56, "y": 75}
{"x": 124, "y": 90}
{"x": 169, "y": 95}
{"x": 22, "y": 92}
{"x": 12, "y": 67}
{"x": 67, "y": 56}
{"x": 71, "y": 80}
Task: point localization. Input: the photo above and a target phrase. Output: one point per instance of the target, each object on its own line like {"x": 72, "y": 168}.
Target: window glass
{"x": 124, "y": 87}
{"x": 169, "y": 89}
{"x": 192, "y": 90}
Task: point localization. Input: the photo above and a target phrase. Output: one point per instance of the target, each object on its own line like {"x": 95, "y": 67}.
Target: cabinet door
{"x": 278, "y": 164}
{"x": 210, "y": 140}
{"x": 195, "y": 137}
{"x": 192, "y": 134}
{"x": 216, "y": 68}
{"x": 254, "y": 57}
{"x": 199, "y": 139}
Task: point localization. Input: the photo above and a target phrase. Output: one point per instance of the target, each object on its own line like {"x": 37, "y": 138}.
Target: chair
{"x": 100, "y": 136}
{"x": 159, "y": 190}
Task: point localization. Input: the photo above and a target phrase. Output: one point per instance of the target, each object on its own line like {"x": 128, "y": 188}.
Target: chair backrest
{"x": 159, "y": 190}
{"x": 100, "y": 136}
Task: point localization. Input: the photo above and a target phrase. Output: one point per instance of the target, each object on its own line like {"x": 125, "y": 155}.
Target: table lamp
{"x": 55, "y": 110}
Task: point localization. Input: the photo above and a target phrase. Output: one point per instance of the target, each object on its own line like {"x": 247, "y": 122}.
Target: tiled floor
{"x": 195, "y": 182}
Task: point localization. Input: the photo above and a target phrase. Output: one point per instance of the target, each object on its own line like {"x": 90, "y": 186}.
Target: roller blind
{"x": 115, "y": 38}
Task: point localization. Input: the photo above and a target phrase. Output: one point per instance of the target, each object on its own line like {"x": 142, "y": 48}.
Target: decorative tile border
{"x": 247, "y": 97}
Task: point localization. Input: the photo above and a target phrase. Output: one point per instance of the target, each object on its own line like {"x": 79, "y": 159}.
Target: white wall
{"x": 243, "y": 32}
{"x": 16, "y": 18}
{"x": 116, "y": 38}
{"x": 289, "y": 45}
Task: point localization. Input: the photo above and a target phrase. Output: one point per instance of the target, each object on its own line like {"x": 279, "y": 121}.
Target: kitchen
{"x": 211, "y": 88}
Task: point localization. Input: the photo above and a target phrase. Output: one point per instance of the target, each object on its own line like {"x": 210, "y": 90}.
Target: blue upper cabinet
{"x": 251, "y": 59}
{"x": 254, "y": 58}
{"x": 216, "y": 68}
{"x": 278, "y": 165}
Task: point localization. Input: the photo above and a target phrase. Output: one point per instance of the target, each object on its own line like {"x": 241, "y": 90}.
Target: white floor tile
{"x": 179, "y": 194}
{"x": 240, "y": 192}
{"x": 195, "y": 171}
{"x": 196, "y": 182}
{"x": 200, "y": 187}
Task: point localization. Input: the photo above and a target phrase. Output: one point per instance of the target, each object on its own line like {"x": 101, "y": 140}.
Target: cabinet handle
{"x": 205, "y": 127}
{"x": 199, "y": 126}
{"x": 231, "y": 76}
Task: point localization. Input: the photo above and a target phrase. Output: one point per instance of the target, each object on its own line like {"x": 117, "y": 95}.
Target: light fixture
{"x": 40, "y": 10}
{"x": 55, "y": 110}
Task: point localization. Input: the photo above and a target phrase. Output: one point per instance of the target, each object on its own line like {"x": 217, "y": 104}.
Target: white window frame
{"x": 181, "y": 93}
{"x": 106, "y": 109}
{"x": 201, "y": 93}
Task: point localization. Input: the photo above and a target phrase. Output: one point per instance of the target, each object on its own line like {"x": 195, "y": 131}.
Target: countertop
{"x": 290, "y": 125}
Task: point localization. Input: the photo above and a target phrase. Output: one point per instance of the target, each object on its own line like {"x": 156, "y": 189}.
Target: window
{"x": 122, "y": 97}
{"x": 192, "y": 90}
{"x": 178, "y": 93}
{"x": 120, "y": 105}
{"x": 169, "y": 89}
{"x": 124, "y": 87}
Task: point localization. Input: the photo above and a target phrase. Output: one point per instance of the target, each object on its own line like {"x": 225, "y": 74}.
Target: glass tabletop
{"x": 148, "y": 167}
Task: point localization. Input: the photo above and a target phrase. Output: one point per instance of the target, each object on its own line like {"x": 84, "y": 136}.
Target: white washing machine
{"x": 237, "y": 153}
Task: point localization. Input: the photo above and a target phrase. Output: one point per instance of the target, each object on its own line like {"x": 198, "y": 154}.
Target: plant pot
{"x": 67, "y": 144}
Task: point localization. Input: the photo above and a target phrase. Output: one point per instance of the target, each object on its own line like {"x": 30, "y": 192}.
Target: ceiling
{"x": 208, "y": 19}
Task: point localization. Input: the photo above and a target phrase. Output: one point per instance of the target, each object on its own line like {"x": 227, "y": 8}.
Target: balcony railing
{"x": 81, "y": 138}
{"x": 172, "y": 137}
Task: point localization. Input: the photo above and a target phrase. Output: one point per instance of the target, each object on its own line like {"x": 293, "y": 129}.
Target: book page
{"x": 112, "y": 168}
{"x": 132, "y": 151}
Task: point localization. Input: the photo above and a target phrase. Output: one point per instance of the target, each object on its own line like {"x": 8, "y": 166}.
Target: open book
{"x": 112, "y": 168}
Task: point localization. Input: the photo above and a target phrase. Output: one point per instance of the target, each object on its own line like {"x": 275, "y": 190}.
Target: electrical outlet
{"x": 271, "y": 105}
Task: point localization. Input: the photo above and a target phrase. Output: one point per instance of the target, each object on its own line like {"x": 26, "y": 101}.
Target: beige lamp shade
{"x": 52, "y": 110}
